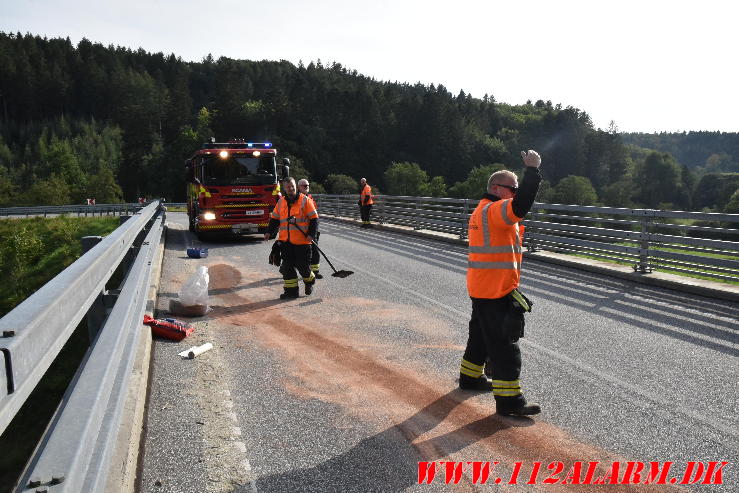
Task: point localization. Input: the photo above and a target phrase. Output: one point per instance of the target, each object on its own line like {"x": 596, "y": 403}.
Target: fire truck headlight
{"x": 223, "y": 154}
{"x": 209, "y": 216}
{"x": 256, "y": 154}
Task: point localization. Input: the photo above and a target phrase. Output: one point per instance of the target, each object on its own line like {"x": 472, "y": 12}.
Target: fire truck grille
{"x": 243, "y": 205}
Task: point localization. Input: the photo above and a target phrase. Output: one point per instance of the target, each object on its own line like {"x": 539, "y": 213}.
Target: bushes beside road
{"x": 34, "y": 250}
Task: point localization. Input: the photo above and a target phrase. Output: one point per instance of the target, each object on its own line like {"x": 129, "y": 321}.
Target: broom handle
{"x": 317, "y": 248}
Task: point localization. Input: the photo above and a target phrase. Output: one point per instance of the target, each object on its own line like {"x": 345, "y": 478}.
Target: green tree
{"x": 575, "y": 190}
{"x": 7, "y": 187}
{"x": 60, "y": 159}
{"x": 619, "y": 194}
{"x": 545, "y": 191}
{"x": 341, "y": 184}
{"x": 435, "y": 188}
{"x": 51, "y": 191}
{"x": 104, "y": 189}
{"x": 657, "y": 179}
{"x": 476, "y": 183}
{"x": 732, "y": 207}
{"x": 405, "y": 179}
{"x": 714, "y": 190}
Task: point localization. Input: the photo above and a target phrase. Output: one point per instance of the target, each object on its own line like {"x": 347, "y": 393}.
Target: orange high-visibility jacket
{"x": 494, "y": 256}
{"x": 310, "y": 196}
{"x": 303, "y": 209}
{"x": 366, "y": 192}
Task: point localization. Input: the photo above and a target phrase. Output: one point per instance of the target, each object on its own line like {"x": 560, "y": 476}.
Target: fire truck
{"x": 232, "y": 187}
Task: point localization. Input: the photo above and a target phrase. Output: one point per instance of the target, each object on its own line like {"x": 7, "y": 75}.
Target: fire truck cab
{"x": 232, "y": 187}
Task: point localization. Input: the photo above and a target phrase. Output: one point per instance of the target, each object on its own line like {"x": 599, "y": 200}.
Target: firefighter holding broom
{"x": 315, "y": 257}
{"x": 296, "y": 219}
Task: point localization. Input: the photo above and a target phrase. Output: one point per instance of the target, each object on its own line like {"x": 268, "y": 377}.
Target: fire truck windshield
{"x": 239, "y": 168}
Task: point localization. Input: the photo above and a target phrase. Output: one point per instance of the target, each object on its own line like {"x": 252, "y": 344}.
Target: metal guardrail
{"x": 698, "y": 243}
{"x": 79, "y": 210}
{"x": 75, "y": 451}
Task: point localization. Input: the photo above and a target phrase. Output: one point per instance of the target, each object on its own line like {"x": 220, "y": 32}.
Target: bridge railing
{"x": 79, "y": 210}
{"x": 696, "y": 243}
{"x": 75, "y": 451}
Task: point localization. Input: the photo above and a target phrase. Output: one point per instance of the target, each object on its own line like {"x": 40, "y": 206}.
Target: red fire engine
{"x": 232, "y": 187}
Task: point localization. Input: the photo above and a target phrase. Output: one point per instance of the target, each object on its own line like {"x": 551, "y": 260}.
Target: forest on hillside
{"x": 116, "y": 124}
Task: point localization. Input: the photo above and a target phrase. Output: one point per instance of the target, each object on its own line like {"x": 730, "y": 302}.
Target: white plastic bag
{"x": 195, "y": 290}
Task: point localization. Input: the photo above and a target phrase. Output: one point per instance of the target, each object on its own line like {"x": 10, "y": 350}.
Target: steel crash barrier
{"x": 696, "y": 243}
{"x": 78, "y": 210}
{"x": 75, "y": 452}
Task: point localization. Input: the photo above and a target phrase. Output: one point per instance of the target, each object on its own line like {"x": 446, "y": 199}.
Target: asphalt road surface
{"x": 349, "y": 388}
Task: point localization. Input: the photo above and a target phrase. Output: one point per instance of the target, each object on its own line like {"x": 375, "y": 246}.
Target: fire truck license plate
{"x": 245, "y": 228}
{"x": 258, "y": 212}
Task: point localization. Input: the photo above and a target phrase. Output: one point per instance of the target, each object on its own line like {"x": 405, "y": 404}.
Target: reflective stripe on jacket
{"x": 366, "y": 192}
{"x": 303, "y": 209}
{"x": 494, "y": 256}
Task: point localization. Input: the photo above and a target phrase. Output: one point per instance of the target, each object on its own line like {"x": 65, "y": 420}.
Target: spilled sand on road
{"x": 328, "y": 360}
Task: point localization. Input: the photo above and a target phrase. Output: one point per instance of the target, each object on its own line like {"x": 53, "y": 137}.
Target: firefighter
{"x": 365, "y": 202}
{"x": 315, "y": 256}
{"x": 493, "y": 272}
{"x": 296, "y": 219}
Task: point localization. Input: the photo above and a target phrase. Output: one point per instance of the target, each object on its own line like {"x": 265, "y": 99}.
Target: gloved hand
{"x": 274, "y": 255}
{"x": 291, "y": 220}
{"x": 531, "y": 158}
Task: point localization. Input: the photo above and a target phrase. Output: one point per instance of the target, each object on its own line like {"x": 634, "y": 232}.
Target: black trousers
{"x": 365, "y": 211}
{"x": 294, "y": 257}
{"x": 489, "y": 338}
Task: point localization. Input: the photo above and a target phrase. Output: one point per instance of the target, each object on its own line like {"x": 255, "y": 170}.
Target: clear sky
{"x": 648, "y": 65}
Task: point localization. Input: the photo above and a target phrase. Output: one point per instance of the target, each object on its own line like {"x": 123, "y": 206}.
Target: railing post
{"x": 531, "y": 246}
{"x": 463, "y": 234}
{"x": 644, "y": 266}
{"x": 381, "y": 210}
{"x": 415, "y": 217}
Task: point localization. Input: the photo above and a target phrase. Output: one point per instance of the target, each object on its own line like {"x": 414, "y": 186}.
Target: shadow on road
{"x": 388, "y": 461}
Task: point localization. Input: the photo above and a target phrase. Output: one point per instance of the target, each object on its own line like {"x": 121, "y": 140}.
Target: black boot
{"x": 470, "y": 383}
{"x": 290, "y": 293}
{"x": 318, "y": 276}
{"x": 516, "y": 407}
{"x": 309, "y": 287}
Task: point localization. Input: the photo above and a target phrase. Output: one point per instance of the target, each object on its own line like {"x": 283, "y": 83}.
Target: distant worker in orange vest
{"x": 296, "y": 219}
{"x": 315, "y": 256}
{"x": 493, "y": 273}
{"x": 365, "y": 202}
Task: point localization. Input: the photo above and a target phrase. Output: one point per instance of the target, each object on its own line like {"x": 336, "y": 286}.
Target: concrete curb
{"x": 700, "y": 287}
{"x": 124, "y": 463}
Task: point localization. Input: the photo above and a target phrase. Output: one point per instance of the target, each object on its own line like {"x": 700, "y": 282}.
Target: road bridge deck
{"x": 346, "y": 390}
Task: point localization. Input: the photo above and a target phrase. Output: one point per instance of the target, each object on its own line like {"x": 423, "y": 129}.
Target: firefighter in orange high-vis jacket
{"x": 493, "y": 272}
{"x": 315, "y": 256}
{"x": 365, "y": 202}
{"x": 296, "y": 219}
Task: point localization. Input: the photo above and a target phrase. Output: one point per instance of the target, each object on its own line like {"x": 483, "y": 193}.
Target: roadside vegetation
{"x": 33, "y": 251}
